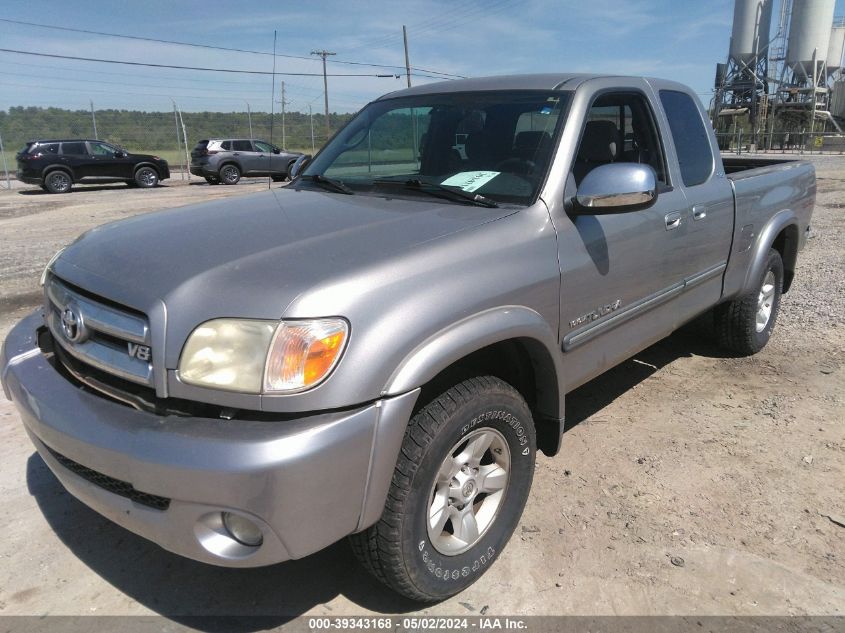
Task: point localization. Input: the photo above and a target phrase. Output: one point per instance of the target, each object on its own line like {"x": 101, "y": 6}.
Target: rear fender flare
{"x": 777, "y": 223}
{"x": 51, "y": 168}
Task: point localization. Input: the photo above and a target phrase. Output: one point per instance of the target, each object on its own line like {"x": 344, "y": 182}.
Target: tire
{"x": 745, "y": 324}
{"x": 429, "y": 562}
{"x": 230, "y": 174}
{"x": 58, "y": 181}
{"x": 212, "y": 181}
{"x": 146, "y": 177}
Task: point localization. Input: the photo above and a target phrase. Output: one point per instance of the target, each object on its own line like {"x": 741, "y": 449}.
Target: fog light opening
{"x": 242, "y": 529}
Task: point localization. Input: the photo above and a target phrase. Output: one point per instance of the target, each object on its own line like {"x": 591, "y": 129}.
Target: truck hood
{"x": 251, "y": 256}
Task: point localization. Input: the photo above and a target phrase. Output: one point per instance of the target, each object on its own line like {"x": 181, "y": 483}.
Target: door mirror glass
{"x": 616, "y": 187}
{"x": 298, "y": 165}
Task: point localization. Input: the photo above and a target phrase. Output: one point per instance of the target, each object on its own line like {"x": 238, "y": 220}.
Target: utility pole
{"x": 311, "y": 116}
{"x": 178, "y": 139}
{"x": 284, "y": 142}
{"x": 94, "y": 120}
{"x": 324, "y": 53}
{"x": 407, "y": 62}
{"x": 249, "y": 118}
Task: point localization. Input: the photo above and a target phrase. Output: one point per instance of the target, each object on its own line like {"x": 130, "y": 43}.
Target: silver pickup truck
{"x": 380, "y": 348}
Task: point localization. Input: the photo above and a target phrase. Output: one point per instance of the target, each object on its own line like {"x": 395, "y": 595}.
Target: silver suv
{"x": 226, "y": 160}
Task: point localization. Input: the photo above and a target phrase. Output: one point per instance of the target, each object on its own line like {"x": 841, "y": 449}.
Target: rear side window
{"x": 226, "y": 145}
{"x": 77, "y": 149}
{"x": 692, "y": 144}
{"x": 242, "y": 146}
{"x": 45, "y": 148}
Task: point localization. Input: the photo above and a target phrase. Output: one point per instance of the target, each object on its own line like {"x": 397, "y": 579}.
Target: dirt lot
{"x": 690, "y": 482}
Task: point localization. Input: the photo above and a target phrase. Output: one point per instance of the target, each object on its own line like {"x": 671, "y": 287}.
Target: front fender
{"x": 476, "y": 332}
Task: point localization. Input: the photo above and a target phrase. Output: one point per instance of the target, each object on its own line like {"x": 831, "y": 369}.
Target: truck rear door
{"x": 710, "y": 219}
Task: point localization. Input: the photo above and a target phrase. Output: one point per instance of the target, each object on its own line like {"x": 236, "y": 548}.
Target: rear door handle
{"x": 699, "y": 212}
{"x": 673, "y": 220}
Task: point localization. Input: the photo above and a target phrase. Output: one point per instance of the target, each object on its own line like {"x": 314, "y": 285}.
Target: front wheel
{"x": 146, "y": 177}
{"x": 745, "y": 324}
{"x": 458, "y": 491}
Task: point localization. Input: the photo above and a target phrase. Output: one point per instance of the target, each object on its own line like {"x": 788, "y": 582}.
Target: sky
{"x": 673, "y": 39}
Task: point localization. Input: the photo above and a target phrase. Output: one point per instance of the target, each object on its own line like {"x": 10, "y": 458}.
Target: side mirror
{"x": 298, "y": 165}
{"x": 120, "y": 154}
{"x": 276, "y": 150}
{"x": 616, "y": 187}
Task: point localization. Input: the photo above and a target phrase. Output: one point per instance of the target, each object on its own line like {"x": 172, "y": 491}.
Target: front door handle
{"x": 673, "y": 220}
{"x": 699, "y": 212}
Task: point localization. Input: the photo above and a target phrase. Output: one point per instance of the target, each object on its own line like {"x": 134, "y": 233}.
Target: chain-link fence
{"x": 801, "y": 142}
{"x": 169, "y": 134}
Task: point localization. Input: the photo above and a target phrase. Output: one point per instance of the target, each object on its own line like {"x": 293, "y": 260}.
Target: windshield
{"x": 495, "y": 144}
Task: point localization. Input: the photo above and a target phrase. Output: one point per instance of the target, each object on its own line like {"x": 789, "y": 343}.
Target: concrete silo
{"x": 742, "y": 83}
{"x": 835, "y": 49}
{"x": 809, "y": 38}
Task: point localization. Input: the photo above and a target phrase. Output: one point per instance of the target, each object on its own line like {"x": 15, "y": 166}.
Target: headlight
{"x": 50, "y": 265}
{"x": 262, "y": 356}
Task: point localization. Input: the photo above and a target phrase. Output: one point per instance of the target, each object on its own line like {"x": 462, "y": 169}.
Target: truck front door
{"x": 623, "y": 273}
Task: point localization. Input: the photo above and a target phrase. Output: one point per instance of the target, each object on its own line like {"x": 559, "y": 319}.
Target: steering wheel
{"x": 516, "y": 165}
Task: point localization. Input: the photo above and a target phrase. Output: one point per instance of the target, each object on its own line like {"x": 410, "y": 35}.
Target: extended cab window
{"x": 692, "y": 143}
{"x": 620, "y": 128}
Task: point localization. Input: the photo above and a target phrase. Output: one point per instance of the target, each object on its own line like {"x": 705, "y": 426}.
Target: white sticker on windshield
{"x": 470, "y": 180}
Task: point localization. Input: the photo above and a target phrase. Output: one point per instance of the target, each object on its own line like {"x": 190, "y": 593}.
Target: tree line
{"x": 139, "y": 131}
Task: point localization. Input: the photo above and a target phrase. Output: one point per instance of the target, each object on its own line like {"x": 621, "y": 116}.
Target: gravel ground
{"x": 689, "y": 483}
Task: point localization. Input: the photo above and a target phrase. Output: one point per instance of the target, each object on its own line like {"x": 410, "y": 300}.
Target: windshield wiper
{"x": 329, "y": 183}
{"x": 435, "y": 189}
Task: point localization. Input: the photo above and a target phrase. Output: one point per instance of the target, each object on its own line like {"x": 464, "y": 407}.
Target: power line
{"x": 249, "y": 83}
{"x": 218, "y": 70}
{"x": 452, "y": 20}
{"x": 212, "y": 47}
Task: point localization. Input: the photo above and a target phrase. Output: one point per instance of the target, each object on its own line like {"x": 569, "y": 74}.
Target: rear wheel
{"x": 745, "y": 324}
{"x": 230, "y": 174}
{"x": 146, "y": 177}
{"x": 58, "y": 182}
{"x": 458, "y": 491}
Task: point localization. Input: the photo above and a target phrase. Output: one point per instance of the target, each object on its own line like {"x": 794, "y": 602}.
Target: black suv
{"x": 57, "y": 164}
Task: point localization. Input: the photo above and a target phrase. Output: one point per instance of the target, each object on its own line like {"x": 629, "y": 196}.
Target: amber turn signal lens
{"x": 303, "y": 353}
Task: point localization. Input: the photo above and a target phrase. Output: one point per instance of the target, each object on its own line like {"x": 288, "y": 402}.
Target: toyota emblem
{"x": 72, "y": 325}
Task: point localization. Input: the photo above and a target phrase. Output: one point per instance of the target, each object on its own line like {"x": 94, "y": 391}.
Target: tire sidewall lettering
{"x": 463, "y": 569}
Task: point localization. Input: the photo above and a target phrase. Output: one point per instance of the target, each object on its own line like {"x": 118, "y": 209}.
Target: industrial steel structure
{"x": 788, "y": 80}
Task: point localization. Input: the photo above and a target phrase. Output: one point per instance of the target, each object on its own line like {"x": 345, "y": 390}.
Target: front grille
{"x": 116, "y": 486}
{"x": 103, "y": 332}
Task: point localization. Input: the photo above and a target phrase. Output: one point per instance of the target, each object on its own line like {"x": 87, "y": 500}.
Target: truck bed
{"x": 735, "y": 165}
{"x": 766, "y": 189}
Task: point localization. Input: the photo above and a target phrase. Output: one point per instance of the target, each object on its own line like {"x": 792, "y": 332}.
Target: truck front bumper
{"x": 305, "y": 483}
